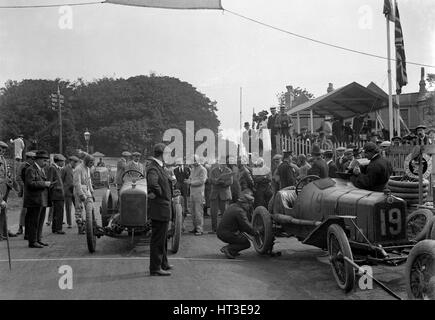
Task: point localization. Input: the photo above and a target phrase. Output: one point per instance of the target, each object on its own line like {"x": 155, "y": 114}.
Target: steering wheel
{"x": 141, "y": 175}
{"x": 306, "y": 180}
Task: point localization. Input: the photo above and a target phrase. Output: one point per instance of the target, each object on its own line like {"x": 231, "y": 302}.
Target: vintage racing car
{"x": 129, "y": 212}
{"x": 356, "y": 226}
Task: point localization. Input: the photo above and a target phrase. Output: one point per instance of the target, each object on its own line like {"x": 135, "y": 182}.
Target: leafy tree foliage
{"x": 121, "y": 114}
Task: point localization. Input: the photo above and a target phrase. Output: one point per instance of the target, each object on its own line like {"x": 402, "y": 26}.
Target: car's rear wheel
{"x": 418, "y": 224}
{"x": 262, "y": 222}
{"x": 339, "y": 248}
{"x": 90, "y": 229}
{"x": 432, "y": 232}
{"x": 420, "y": 271}
{"x": 177, "y": 227}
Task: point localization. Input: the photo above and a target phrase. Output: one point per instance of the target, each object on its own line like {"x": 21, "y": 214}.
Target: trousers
{"x": 215, "y": 206}
{"x": 35, "y": 217}
{"x": 57, "y": 215}
{"x": 69, "y": 202}
{"x": 236, "y": 242}
{"x": 197, "y": 212}
{"x": 158, "y": 245}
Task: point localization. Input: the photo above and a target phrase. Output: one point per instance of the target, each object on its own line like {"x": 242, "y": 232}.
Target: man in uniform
{"x": 120, "y": 169}
{"x": 283, "y": 122}
{"x": 5, "y": 183}
{"x": 160, "y": 205}
{"x": 83, "y": 191}
{"x": 21, "y": 177}
{"x": 56, "y": 192}
{"x": 221, "y": 179}
{"x": 68, "y": 187}
{"x": 234, "y": 222}
{"x": 375, "y": 176}
{"x": 332, "y": 167}
{"x": 319, "y": 167}
{"x": 36, "y": 187}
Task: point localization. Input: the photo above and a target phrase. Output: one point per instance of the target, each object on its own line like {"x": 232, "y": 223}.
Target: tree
{"x": 283, "y": 97}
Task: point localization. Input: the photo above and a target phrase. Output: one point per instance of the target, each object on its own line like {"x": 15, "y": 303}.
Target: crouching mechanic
{"x": 234, "y": 222}
{"x": 83, "y": 191}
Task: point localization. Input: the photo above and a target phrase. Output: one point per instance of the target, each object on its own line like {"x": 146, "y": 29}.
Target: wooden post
{"x": 298, "y": 120}
{"x": 311, "y": 121}
{"x": 420, "y": 175}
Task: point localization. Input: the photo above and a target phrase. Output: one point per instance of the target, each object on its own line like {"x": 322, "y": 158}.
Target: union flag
{"x": 401, "y": 74}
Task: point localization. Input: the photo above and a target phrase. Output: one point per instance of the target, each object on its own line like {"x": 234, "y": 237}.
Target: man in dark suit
{"x": 221, "y": 178}
{"x": 287, "y": 172}
{"x": 160, "y": 206}
{"x": 57, "y": 193}
{"x": 272, "y": 128}
{"x": 36, "y": 187}
{"x": 332, "y": 167}
{"x": 182, "y": 173}
{"x": 319, "y": 167}
{"x": 21, "y": 177}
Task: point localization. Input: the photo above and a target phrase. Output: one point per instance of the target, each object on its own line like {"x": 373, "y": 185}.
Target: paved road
{"x": 119, "y": 270}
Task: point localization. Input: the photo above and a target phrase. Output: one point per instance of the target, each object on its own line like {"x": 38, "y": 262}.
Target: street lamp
{"x": 87, "y": 138}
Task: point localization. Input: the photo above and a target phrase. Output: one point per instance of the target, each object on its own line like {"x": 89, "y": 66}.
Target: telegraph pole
{"x": 57, "y": 100}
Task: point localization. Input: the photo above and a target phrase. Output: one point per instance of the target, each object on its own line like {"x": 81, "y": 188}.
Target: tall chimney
{"x": 330, "y": 88}
{"x": 422, "y": 83}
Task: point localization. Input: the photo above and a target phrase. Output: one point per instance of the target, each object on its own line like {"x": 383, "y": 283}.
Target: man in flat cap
{"x": 375, "y": 176}
{"x": 332, "y": 167}
{"x": 422, "y": 138}
{"x": 56, "y": 192}
{"x": 21, "y": 176}
{"x": 134, "y": 164}
{"x": 68, "y": 186}
{"x": 235, "y": 221}
{"x": 36, "y": 187}
{"x": 339, "y": 158}
{"x": 160, "y": 194}
{"x": 83, "y": 191}
{"x": 5, "y": 183}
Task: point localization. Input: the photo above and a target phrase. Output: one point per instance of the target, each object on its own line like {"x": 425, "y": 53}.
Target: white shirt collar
{"x": 158, "y": 161}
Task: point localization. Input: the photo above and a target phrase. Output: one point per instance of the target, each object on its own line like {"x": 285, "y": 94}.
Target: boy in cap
{"x": 234, "y": 222}
{"x": 339, "y": 158}
{"x": 332, "y": 168}
{"x": 56, "y": 192}
{"x": 422, "y": 138}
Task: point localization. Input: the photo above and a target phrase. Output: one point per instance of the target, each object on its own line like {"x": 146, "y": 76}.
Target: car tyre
{"x": 90, "y": 230}
{"x": 339, "y": 248}
{"x": 262, "y": 222}
{"x": 420, "y": 271}
{"x": 177, "y": 227}
{"x": 106, "y": 209}
{"x": 418, "y": 224}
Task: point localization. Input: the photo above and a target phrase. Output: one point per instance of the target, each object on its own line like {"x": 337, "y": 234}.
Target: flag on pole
{"x": 171, "y": 4}
{"x": 388, "y": 10}
{"x": 401, "y": 74}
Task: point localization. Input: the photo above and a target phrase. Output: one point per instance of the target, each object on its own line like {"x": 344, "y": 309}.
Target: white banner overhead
{"x": 171, "y": 4}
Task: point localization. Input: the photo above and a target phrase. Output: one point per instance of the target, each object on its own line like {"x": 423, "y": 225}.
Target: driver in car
{"x": 375, "y": 176}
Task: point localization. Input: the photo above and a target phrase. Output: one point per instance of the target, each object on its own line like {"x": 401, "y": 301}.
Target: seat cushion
{"x": 284, "y": 199}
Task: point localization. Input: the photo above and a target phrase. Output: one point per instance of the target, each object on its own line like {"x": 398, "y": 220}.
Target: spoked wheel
{"x": 420, "y": 271}
{"x": 339, "y": 248}
{"x": 177, "y": 224}
{"x": 90, "y": 229}
{"x": 262, "y": 222}
{"x": 418, "y": 224}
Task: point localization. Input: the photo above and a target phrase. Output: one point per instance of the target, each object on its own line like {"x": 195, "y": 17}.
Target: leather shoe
{"x": 192, "y": 231}
{"x": 11, "y": 235}
{"x": 227, "y": 253}
{"x": 59, "y": 232}
{"x": 35, "y": 245}
{"x": 20, "y": 230}
{"x": 43, "y": 243}
{"x": 168, "y": 267}
{"x": 199, "y": 233}
{"x": 160, "y": 273}
{"x": 211, "y": 232}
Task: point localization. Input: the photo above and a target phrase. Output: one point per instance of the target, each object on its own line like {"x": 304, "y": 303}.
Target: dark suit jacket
{"x": 67, "y": 179}
{"x": 319, "y": 168}
{"x": 159, "y": 183}
{"x": 375, "y": 176}
{"x": 234, "y": 219}
{"x": 287, "y": 176}
{"x": 332, "y": 169}
{"x": 56, "y": 192}
{"x": 220, "y": 183}
{"x": 181, "y": 176}
{"x": 35, "y": 191}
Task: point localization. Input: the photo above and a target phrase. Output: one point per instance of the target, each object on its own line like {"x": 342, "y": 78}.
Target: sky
{"x": 215, "y": 51}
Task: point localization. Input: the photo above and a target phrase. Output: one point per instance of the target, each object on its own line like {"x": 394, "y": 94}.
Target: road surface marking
{"x": 115, "y": 258}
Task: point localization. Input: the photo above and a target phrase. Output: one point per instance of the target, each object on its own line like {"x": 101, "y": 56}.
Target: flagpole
{"x": 390, "y": 83}
{"x": 240, "y": 124}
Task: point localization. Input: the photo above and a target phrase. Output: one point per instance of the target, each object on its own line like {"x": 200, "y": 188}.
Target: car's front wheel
{"x": 262, "y": 222}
